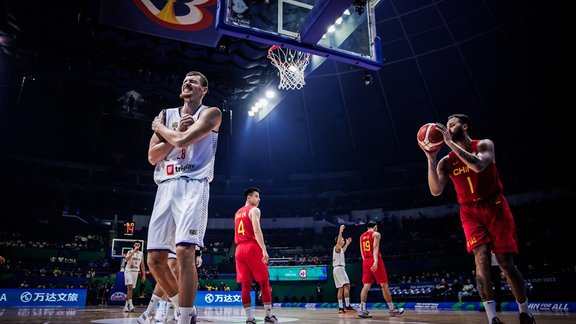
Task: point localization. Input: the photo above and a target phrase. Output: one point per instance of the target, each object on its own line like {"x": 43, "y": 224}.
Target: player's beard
{"x": 458, "y": 135}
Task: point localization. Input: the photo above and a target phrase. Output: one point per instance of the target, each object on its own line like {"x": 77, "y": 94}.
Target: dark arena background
{"x": 81, "y": 82}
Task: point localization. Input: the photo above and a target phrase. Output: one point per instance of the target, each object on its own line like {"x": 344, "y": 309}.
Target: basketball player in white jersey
{"x": 134, "y": 265}
{"x": 183, "y": 149}
{"x": 339, "y": 271}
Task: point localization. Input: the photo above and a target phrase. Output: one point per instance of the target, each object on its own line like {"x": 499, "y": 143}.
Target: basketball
{"x": 430, "y": 138}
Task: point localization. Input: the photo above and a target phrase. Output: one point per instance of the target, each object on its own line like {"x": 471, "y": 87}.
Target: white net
{"x": 291, "y": 65}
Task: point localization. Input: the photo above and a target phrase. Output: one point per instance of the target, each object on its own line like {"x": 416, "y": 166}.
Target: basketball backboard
{"x": 342, "y": 30}
{"x": 121, "y": 246}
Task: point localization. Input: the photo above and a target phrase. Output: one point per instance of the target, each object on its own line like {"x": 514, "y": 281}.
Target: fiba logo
{"x": 303, "y": 273}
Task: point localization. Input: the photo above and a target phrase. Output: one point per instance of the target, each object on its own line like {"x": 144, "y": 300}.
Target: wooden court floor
{"x": 235, "y": 315}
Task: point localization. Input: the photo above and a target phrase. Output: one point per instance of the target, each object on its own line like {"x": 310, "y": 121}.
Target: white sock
{"x": 363, "y": 306}
{"x": 130, "y": 302}
{"x": 347, "y": 300}
{"x": 248, "y": 311}
{"x": 391, "y": 305}
{"x": 175, "y": 302}
{"x": 490, "y": 307}
{"x": 340, "y": 303}
{"x": 152, "y": 304}
{"x": 523, "y": 307}
{"x": 268, "y": 309}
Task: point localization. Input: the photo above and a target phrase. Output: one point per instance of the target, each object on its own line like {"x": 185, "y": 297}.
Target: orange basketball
{"x": 430, "y": 138}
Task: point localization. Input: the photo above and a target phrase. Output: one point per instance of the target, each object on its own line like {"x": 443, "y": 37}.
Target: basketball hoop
{"x": 291, "y": 65}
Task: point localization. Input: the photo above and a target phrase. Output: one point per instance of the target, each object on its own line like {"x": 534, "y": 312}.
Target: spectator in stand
{"x": 467, "y": 290}
{"x": 456, "y": 287}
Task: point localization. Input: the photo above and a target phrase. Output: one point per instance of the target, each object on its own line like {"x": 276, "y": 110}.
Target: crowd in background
{"x": 408, "y": 238}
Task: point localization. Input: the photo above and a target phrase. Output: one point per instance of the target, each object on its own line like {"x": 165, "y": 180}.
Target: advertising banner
{"x": 297, "y": 273}
{"x": 42, "y": 297}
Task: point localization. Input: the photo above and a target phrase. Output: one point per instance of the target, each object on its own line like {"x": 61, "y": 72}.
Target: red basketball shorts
{"x": 489, "y": 222}
{"x": 249, "y": 263}
{"x": 380, "y": 275}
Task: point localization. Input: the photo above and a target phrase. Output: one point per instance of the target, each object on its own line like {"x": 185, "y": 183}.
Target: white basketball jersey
{"x": 338, "y": 258}
{"x": 134, "y": 263}
{"x": 195, "y": 161}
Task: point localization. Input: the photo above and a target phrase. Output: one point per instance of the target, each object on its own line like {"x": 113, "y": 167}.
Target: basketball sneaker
{"x": 160, "y": 315}
{"x": 251, "y": 321}
{"x": 396, "y": 311}
{"x": 496, "y": 320}
{"x": 364, "y": 313}
{"x": 271, "y": 319}
{"x": 169, "y": 314}
{"x": 349, "y": 308}
{"x": 146, "y": 318}
{"x": 131, "y": 308}
{"x": 126, "y": 308}
{"x": 341, "y": 311}
{"x": 526, "y": 318}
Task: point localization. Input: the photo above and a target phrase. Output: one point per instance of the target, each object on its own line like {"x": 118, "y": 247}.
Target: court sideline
{"x": 234, "y": 315}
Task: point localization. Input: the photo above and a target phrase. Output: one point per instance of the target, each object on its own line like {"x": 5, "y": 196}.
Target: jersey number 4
{"x": 240, "y": 229}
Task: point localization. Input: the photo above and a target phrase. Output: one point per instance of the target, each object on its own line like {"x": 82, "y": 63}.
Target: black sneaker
{"x": 349, "y": 308}
{"x": 271, "y": 319}
{"x": 496, "y": 320}
{"x": 526, "y": 318}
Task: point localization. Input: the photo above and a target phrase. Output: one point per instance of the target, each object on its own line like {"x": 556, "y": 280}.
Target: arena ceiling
{"x": 66, "y": 76}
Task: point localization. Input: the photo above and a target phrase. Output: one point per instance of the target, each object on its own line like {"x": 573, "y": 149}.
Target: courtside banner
{"x": 187, "y": 20}
{"x": 297, "y": 273}
{"x": 42, "y": 297}
{"x": 221, "y": 298}
{"x": 541, "y": 307}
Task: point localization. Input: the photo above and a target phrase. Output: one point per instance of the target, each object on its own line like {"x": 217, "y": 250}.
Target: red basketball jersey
{"x": 243, "y": 230}
{"x": 367, "y": 242}
{"x": 469, "y": 185}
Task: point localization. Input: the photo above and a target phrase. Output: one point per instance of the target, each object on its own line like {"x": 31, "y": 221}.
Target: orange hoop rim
{"x": 275, "y": 47}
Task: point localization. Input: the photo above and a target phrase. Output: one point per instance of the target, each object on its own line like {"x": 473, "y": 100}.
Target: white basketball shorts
{"x": 180, "y": 214}
{"x": 340, "y": 276}
{"x": 130, "y": 278}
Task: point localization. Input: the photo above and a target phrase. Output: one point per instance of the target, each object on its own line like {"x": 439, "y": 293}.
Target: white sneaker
{"x": 160, "y": 315}
{"x": 364, "y": 313}
{"x": 131, "y": 308}
{"x": 173, "y": 318}
{"x": 126, "y": 308}
{"x": 146, "y": 318}
{"x": 170, "y": 316}
{"x": 396, "y": 311}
